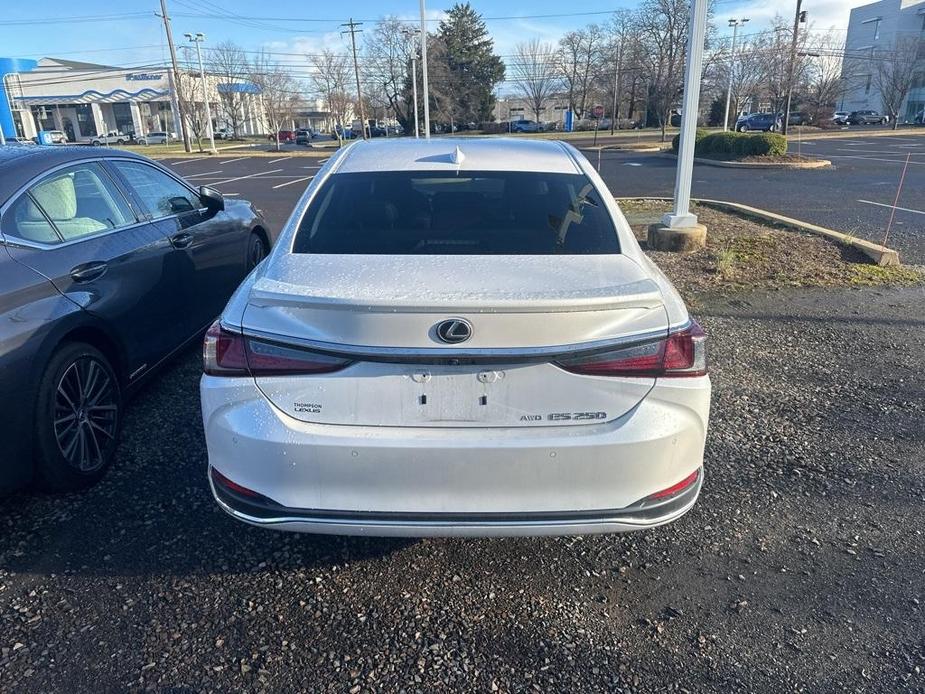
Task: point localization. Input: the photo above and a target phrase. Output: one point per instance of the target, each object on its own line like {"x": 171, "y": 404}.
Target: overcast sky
{"x": 128, "y": 33}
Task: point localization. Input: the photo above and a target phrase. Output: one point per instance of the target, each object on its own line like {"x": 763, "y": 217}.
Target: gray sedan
{"x": 109, "y": 263}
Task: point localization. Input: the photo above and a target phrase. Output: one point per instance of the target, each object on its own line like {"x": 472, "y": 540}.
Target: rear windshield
{"x": 470, "y": 213}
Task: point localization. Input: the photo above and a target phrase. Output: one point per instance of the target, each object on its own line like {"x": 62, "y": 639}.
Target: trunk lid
{"x": 383, "y": 310}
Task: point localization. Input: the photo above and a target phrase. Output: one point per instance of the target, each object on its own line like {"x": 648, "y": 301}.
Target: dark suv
{"x": 768, "y": 122}
{"x": 865, "y": 118}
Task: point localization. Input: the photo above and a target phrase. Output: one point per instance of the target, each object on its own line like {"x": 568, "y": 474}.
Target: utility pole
{"x": 616, "y": 87}
{"x": 424, "y": 73}
{"x": 198, "y": 39}
{"x": 414, "y": 79}
{"x": 735, "y": 24}
{"x": 352, "y": 30}
{"x": 174, "y": 99}
{"x": 800, "y": 16}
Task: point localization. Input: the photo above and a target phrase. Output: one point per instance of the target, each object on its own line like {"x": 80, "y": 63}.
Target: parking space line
{"x": 878, "y": 151}
{"x": 273, "y": 161}
{"x": 187, "y": 161}
{"x": 890, "y": 161}
{"x": 891, "y": 207}
{"x": 298, "y": 180}
{"x": 228, "y": 161}
{"x": 204, "y": 173}
{"x": 311, "y": 167}
{"x": 253, "y": 175}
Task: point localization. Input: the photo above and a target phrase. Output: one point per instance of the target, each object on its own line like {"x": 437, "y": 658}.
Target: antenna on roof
{"x": 458, "y": 157}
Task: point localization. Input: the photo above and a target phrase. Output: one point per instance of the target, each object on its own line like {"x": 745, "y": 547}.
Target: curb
{"x": 817, "y": 164}
{"x": 881, "y": 255}
{"x": 849, "y": 134}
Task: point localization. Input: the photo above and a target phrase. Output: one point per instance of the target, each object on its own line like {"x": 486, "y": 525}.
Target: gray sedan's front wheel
{"x": 77, "y": 419}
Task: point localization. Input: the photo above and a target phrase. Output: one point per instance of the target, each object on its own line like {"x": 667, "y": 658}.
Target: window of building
{"x": 85, "y": 120}
{"x": 44, "y": 116}
{"x": 122, "y": 113}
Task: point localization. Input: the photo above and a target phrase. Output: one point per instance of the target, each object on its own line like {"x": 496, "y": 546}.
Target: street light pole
{"x": 424, "y": 72}
{"x": 198, "y": 39}
{"x": 734, "y": 23}
{"x": 680, "y": 217}
{"x": 792, "y": 67}
{"x": 414, "y": 79}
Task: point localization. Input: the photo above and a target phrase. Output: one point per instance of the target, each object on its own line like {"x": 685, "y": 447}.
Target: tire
{"x": 744, "y": 128}
{"x": 96, "y": 143}
{"x": 256, "y": 251}
{"x": 120, "y": 142}
{"x": 75, "y": 441}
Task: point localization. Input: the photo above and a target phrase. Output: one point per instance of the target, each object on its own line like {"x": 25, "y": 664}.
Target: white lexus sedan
{"x": 456, "y": 337}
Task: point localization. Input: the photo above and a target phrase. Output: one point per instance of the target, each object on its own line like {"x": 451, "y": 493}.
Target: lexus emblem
{"x": 453, "y": 331}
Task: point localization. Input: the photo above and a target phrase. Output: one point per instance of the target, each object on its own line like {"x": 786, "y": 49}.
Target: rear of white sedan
{"x": 456, "y": 337}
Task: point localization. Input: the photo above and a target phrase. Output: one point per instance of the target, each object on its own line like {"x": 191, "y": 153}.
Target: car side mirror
{"x": 212, "y": 200}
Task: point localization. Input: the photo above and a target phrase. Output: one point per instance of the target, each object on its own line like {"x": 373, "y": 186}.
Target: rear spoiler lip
{"x": 452, "y": 354}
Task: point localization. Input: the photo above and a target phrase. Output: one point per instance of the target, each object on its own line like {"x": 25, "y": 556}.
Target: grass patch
{"x": 744, "y": 254}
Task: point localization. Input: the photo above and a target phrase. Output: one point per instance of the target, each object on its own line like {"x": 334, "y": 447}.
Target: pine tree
{"x": 466, "y": 67}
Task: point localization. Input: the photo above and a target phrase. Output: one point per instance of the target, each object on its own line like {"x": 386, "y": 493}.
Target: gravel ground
{"x": 800, "y": 569}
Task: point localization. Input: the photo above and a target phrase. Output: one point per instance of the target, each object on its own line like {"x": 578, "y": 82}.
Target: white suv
{"x": 456, "y": 337}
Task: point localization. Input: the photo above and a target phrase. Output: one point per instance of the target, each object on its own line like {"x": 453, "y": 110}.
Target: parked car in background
{"x": 866, "y": 118}
{"x": 524, "y": 126}
{"x": 156, "y": 138}
{"x": 19, "y": 141}
{"x": 303, "y": 136}
{"x": 799, "y": 118}
{"x": 224, "y": 134}
{"x": 113, "y": 137}
{"x": 768, "y": 122}
{"x": 283, "y": 136}
{"x": 58, "y": 137}
{"x": 840, "y": 117}
{"x": 456, "y": 337}
{"x": 109, "y": 263}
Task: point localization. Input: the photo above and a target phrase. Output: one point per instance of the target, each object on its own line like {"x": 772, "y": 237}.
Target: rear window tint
{"x": 470, "y": 213}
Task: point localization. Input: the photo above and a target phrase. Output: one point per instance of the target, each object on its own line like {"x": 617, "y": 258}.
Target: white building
{"x": 876, "y": 28}
{"x": 84, "y": 100}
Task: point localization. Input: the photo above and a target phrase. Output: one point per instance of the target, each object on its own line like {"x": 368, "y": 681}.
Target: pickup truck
{"x": 113, "y": 137}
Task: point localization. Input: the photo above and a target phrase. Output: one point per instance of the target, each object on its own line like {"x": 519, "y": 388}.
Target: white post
{"x": 681, "y": 216}
{"x": 424, "y": 72}
{"x": 414, "y": 89}
{"x": 205, "y": 93}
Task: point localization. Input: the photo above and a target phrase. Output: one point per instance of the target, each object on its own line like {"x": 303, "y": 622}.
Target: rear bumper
{"x": 338, "y": 479}
{"x": 265, "y": 513}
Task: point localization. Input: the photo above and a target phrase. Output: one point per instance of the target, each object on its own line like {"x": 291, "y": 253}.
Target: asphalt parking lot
{"x": 855, "y": 196}
{"x": 799, "y": 570}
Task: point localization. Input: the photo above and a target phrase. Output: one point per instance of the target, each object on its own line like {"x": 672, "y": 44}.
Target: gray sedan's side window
{"x": 75, "y": 201}
{"x": 160, "y": 194}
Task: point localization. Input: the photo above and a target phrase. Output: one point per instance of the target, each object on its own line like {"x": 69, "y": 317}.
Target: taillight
{"x": 682, "y": 353}
{"x": 227, "y": 353}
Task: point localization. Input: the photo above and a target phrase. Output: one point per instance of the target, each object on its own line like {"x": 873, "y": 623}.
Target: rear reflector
{"x": 220, "y": 479}
{"x": 675, "y": 489}
{"x": 227, "y": 353}
{"x": 681, "y": 353}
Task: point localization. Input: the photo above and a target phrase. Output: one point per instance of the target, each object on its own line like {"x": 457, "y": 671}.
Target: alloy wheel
{"x": 86, "y": 413}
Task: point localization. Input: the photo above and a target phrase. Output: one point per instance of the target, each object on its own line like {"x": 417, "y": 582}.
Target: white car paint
{"x": 491, "y": 437}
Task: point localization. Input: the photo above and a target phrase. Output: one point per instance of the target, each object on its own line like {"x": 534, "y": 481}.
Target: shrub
{"x": 676, "y": 140}
{"x": 741, "y": 144}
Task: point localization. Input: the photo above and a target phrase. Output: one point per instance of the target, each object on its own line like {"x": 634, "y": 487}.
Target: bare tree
{"x": 330, "y": 78}
{"x": 278, "y": 92}
{"x": 189, "y": 94}
{"x": 827, "y": 76}
{"x": 894, "y": 71}
{"x": 663, "y": 30}
{"x": 535, "y": 73}
{"x": 228, "y": 63}
{"x": 578, "y": 59}
{"x": 746, "y": 73}
{"x": 388, "y": 51}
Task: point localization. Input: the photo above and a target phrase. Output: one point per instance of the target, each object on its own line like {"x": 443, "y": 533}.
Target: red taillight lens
{"x": 682, "y": 353}
{"x": 220, "y": 479}
{"x": 227, "y": 353}
{"x": 223, "y": 352}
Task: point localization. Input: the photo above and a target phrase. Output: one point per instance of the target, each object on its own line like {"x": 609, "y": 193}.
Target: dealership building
{"x": 84, "y": 100}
